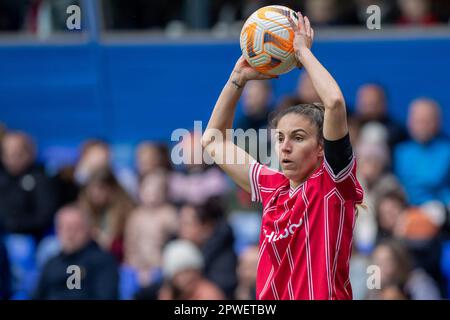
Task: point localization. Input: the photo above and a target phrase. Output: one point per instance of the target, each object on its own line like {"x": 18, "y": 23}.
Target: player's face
{"x": 299, "y": 150}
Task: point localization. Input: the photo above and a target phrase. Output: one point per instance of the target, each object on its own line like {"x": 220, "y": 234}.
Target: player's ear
{"x": 321, "y": 153}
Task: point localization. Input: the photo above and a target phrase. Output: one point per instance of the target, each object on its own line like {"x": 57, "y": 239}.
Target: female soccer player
{"x": 309, "y": 207}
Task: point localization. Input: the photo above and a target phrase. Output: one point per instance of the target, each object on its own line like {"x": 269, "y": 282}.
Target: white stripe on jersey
{"x": 267, "y": 189}
{"x": 266, "y": 285}
{"x": 327, "y": 243}
{"x": 317, "y": 174}
{"x": 345, "y": 286}
{"x": 338, "y": 242}
{"x": 290, "y": 291}
{"x": 274, "y": 290}
{"x": 261, "y": 249}
{"x": 359, "y": 190}
{"x": 277, "y": 230}
{"x": 251, "y": 178}
{"x": 291, "y": 265}
{"x": 308, "y": 249}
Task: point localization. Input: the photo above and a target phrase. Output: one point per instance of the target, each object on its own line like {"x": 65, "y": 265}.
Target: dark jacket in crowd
{"x": 27, "y": 202}
{"x": 99, "y": 276}
{"x": 5, "y": 273}
{"x": 220, "y": 258}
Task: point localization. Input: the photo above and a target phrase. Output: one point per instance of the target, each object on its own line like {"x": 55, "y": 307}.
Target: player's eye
{"x": 298, "y": 138}
{"x": 280, "y": 139}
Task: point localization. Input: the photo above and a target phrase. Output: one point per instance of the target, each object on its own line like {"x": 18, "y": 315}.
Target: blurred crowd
{"x": 156, "y": 231}
{"x": 220, "y": 16}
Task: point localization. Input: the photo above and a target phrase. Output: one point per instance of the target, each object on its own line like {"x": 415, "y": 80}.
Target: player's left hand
{"x": 304, "y": 36}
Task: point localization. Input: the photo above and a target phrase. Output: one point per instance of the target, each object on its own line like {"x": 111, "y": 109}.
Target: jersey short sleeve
{"x": 345, "y": 181}
{"x": 264, "y": 181}
{"x": 340, "y": 167}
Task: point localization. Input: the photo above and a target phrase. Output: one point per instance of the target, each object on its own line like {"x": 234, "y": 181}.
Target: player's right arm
{"x": 216, "y": 141}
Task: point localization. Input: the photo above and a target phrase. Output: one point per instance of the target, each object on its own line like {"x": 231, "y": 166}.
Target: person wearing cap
{"x": 182, "y": 265}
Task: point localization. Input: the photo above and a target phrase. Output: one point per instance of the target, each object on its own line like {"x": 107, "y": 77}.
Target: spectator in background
{"x": 27, "y": 198}
{"x": 250, "y": 6}
{"x": 323, "y": 12}
{"x": 387, "y": 10}
{"x": 416, "y": 12}
{"x": 400, "y": 276}
{"x": 206, "y": 226}
{"x": 442, "y": 10}
{"x": 420, "y": 232}
{"x": 228, "y": 11}
{"x": 354, "y": 129}
{"x": 98, "y": 269}
{"x": 182, "y": 265}
{"x": 422, "y": 164}
{"x": 148, "y": 229}
{"x": 95, "y": 156}
{"x": 246, "y": 272}
{"x": 109, "y": 206}
{"x": 198, "y": 181}
{"x": 371, "y": 106}
{"x": 304, "y": 93}
{"x": 65, "y": 185}
{"x": 140, "y": 14}
{"x": 44, "y": 16}
{"x": 151, "y": 157}
{"x": 389, "y": 208}
{"x": 256, "y": 104}
{"x": 373, "y": 160}
{"x": 12, "y": 14}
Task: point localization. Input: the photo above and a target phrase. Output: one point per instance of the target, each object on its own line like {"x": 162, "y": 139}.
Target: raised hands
{"x": 243, "y": 72}
{"x": 304, "y": 36}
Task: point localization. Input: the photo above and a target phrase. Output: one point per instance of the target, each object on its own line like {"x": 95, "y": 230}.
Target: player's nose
{"x": 286, "y": 146}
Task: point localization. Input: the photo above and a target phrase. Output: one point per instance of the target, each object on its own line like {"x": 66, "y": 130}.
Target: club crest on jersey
{"x": 288, "y": 231}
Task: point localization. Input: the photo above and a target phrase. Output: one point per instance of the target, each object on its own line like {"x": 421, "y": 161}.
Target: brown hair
{"x": 117, "y": 210}
{"x": 312, "y": 111}
{"x": 401, "y": 258}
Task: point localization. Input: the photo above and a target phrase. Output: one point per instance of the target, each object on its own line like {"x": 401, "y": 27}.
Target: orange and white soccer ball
{"x": 267, "y": 40}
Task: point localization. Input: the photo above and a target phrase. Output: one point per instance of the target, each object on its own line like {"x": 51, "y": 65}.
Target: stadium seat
{"x": 47, "y": 248}
{"x": 445, "y": 264}
{"x": 22, "y": 256}
{"x": 246, "y": 228}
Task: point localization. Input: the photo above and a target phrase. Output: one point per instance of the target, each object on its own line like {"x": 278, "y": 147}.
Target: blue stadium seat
{"x": 128, "y": 283}
{"x": 445, "y": 264}
{"x": 246, "y": 228}
{"x": 22, "y": 256}
{"x": 48, "y": 247}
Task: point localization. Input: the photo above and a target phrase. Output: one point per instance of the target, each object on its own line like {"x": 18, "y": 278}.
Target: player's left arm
{"x": 335, "y": 122}
{"x": 337, "y": 147}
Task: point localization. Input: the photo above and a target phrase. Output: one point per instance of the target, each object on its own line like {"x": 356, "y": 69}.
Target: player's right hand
{"x": 244, "y": 72}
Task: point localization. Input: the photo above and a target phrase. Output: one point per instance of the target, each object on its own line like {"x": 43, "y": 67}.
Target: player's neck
{"x": 294, "y": 184}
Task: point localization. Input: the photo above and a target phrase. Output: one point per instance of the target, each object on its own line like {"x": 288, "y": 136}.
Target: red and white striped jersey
{"x": 306, "y": 233}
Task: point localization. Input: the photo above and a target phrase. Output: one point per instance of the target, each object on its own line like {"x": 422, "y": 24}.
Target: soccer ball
{"x": 267, "y": 40}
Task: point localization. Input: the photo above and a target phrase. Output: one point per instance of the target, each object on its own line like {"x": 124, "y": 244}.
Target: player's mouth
{"x": 286, "y": 163}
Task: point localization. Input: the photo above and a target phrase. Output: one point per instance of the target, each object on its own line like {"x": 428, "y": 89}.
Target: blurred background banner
{"x": 91, "y": 92}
